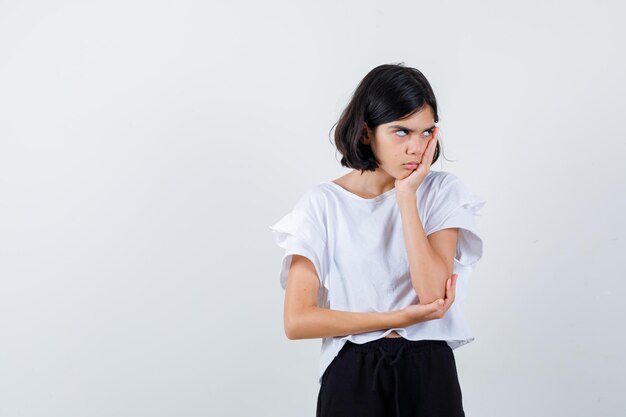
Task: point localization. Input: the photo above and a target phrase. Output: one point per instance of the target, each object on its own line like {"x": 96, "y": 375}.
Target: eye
{"x": 428, "y": 133}
{"x": 401, "y": 130}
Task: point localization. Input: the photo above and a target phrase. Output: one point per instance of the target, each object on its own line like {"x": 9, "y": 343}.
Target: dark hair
{"x": 388, "y": 92}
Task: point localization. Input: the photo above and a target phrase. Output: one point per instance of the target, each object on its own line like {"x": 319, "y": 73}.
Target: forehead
{"x": 420, "y": 120}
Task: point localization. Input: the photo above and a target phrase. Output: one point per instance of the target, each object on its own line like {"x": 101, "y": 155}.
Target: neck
{"x": 373, "y": 182}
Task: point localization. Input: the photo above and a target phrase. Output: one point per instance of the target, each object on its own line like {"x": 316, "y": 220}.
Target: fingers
{"x": 430, "y": 152}
{"x": 455, "y": 276}
{"x": 435, "y": 136}
{"x": 441, "y": 306}
{"x": 450, "y": 290}
{"x": 433, "y": 145}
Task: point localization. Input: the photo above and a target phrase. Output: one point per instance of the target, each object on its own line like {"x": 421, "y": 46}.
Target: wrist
{"x": 406, "y": 201}
{"x": 401, "y": 318}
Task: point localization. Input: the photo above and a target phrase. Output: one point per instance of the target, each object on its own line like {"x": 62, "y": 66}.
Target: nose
{"x": 416, "y": 145}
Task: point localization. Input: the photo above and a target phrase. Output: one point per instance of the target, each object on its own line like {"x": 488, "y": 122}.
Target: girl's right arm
{"x": 303, "y": 319}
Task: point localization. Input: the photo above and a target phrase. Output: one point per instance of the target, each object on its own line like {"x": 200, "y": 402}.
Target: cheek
{"x": 389, "y": 152}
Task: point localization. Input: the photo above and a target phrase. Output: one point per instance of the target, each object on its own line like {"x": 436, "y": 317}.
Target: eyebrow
{"x": 409, "y": 130}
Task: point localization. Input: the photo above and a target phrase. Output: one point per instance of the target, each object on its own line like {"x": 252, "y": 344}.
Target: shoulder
{"x": 312, "y": 197}
{"x": 313, "y": 201}
{"x": 441, "y": 178}
{"x": 450, "y": 191}
{"x": 442, "y": 191}
{"x": 436, "y": 182}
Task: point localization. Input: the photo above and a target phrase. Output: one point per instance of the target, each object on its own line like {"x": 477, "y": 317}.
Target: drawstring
{"x": 395, "y": 371}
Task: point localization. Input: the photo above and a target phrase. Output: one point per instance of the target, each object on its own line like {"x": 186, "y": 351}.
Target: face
{"x": 401, "y": 141}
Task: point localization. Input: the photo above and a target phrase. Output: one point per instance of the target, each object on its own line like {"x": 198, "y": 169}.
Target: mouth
{"x": 411, "y": 166}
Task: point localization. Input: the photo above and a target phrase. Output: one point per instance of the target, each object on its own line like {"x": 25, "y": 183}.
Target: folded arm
{"x": 304, "y": 319}
{"x": 431, "y": 259}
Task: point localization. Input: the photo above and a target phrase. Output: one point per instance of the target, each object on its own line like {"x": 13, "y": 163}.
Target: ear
{"x": 365, "y": 134}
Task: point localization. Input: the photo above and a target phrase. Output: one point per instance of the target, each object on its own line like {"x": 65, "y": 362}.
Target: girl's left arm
{"x": 429, "y": 268}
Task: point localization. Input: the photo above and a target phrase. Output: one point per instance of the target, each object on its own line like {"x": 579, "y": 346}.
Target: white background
{"x": 145, "y": 147}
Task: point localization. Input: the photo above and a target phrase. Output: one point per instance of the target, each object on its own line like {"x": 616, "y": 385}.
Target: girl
{"x": 372, "y": 258}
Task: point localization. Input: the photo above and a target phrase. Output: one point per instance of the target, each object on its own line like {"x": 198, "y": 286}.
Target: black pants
{"x": 391, "y": 377}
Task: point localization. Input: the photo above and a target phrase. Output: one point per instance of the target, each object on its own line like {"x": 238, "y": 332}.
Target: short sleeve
{"x": 455, "y": 205}
{"x": 299, "y": 234}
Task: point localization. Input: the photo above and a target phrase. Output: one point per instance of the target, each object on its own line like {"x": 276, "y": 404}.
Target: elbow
{"x": 289, "y": 330}
{"x": 429, "y": 298}
{"x": 430, "y": 295}
{"x": 291, "y": 327}
{"x": 291, "y": 334}
{"x": 299, "y": 324}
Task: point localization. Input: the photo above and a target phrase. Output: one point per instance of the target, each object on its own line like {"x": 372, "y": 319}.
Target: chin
{"x": 406, "y": 173}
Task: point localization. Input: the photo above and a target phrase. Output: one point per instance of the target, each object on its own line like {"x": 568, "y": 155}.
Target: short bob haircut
{"x": 388, "y": 92}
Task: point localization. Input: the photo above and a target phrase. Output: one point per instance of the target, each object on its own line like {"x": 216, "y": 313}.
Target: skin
{"x": 392, "y": 147}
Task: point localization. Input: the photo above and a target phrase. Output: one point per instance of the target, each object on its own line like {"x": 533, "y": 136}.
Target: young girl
{"x": 372, "y": 258}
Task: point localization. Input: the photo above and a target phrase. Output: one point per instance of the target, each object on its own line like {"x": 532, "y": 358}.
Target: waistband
{"x": 389, "y": 350}
{"x": 394, "y": 344}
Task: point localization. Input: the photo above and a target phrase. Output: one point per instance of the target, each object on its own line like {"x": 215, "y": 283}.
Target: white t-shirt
{"x": 357, "y": 247}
